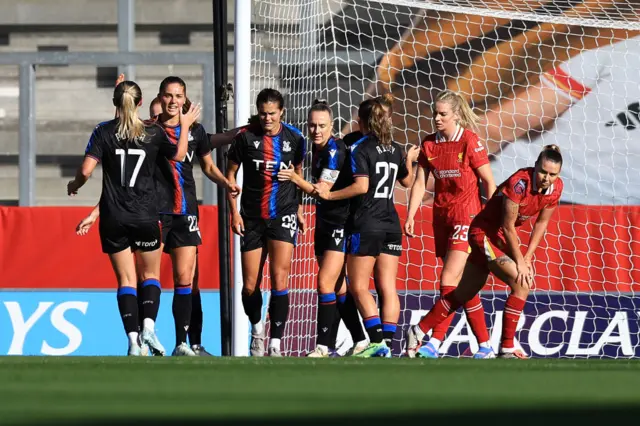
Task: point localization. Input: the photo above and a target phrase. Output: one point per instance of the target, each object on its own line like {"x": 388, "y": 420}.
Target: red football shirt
{"x": 521, "y": 189}
{"x": 452, "y": 162}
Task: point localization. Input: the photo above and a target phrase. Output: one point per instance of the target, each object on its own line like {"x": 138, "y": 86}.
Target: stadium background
{"x": 58, "y": 288}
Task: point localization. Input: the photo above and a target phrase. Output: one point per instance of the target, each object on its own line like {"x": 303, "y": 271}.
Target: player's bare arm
{"x": 218, "y": 140}
{"x": 237, "y": 224}
{"x": 415, "y": 199}
{"x": 82, "y": 175}
{"x": 538, "y": 231}
{"x": 412, "y": 157}
{"x": 510, "y": 211}
{"x": 86, "y": 223}
{"x": 214, "y": 174}
{"x": 488, "y": 183}
{"x": 358, "y": 187}
{"x": 302, "y": 224}
{"x": 291, "y": 174}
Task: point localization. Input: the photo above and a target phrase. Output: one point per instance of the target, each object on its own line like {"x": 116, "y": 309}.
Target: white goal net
{"x": 536, "y": 72}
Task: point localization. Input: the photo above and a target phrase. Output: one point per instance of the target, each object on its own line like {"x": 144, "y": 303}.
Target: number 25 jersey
{"x": 383, "y": 165}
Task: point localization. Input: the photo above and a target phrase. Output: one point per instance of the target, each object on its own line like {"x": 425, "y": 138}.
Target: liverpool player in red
{"x": 495, "y": 247}
{"x": 457, "y": 159}
{"x": 270, "y": 214}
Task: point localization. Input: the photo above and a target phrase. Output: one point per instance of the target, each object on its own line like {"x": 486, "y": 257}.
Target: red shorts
{"x": 451, "y": 237}
{"x": 484, "y": 249}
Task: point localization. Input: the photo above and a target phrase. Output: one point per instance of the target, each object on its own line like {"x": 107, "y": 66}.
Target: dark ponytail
{"x": 550, "y": 153}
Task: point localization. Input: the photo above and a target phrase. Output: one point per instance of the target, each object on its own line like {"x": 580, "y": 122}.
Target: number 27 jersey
{"x": 383, "y": 165}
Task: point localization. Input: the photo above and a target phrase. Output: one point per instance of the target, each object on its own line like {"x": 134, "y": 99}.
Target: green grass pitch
{"x": 289, "y": 391}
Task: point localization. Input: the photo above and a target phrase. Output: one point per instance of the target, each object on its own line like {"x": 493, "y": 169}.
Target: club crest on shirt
{"x": 520, "y": 187}
{"x": 460, "y": 156}
{"x": 286, "y": 146}
{"x": 190, "y": 137}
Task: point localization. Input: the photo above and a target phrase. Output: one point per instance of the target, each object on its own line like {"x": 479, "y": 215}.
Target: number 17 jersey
{"x": 383, "y": 165}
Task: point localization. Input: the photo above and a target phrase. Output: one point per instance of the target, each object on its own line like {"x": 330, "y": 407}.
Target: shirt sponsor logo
{"x": 443, "y": 174}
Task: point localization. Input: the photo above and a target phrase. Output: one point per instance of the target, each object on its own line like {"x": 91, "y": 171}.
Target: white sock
{"x": 508, "y": 350}
{"x": 133, "y": 338}
{"x": 149, "y": 324}
{"x": 436, "y": 343}
{"x": 274, "y": 343}
{"x": 485, "y": 345}
{"x": 419, "y": 333}
{"x": 257, "y": 328}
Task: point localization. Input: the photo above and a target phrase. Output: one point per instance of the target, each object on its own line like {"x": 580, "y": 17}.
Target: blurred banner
{"x": 40, "y": 250}
{"x": 597, "y": 326}
{"x": 587, "y": 249}
{"x": 85, "y": 323}
{"x": 536, "y": 72}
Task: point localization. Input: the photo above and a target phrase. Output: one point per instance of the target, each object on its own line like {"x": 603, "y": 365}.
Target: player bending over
{"x": 457, "y": 159}
{"x": 495, "y": 247}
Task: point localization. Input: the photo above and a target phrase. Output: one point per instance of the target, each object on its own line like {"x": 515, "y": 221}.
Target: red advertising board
{"x": 587, "y": 249}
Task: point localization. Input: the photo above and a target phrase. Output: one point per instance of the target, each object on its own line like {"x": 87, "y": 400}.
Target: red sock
{"x": 512, "y": 310}
{"x": 475, "y": 317}
{"x": 445, "y": 306}
{"x": 440, "y": 330}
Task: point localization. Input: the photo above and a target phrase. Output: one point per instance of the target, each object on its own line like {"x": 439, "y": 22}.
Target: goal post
{"x": 537, "y": 72}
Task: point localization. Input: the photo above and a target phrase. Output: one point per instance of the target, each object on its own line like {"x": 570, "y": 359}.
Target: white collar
{"x": 457, "y": 135}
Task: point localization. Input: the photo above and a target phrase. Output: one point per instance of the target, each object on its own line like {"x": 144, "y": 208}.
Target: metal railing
{"x": 27, "y": 99}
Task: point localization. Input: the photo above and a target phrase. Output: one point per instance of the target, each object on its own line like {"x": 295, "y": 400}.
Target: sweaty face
{"x": 320, "y": 127}
{"x": 172, "y": 99}
{"x": 444, "y": 117}
{"x": 546, "y": 173}
{"x": 270, "y": 114}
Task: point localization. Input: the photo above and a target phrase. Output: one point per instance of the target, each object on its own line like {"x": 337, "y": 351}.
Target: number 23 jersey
{"x": 383, "y": 165}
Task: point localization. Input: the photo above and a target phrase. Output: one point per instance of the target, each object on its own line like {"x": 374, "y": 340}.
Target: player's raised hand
{"x": 191, "y": 116}
{"x": 120, "y": 79}
{"x": 408, "y": 228}
{"x": 413, "y": 153}
{"x": 237, "y": 224}
{"x": 286, "y": 174}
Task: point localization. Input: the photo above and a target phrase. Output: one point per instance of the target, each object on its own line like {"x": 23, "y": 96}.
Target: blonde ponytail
{"x": 460, "y": 106}
{"x": 126, "y": 98}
